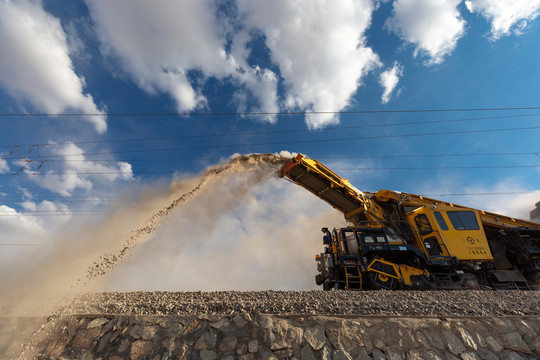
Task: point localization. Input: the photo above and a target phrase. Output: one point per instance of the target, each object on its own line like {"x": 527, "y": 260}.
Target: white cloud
{"x": 517, "y": 202}
{"x": 18, "y": 228}
{"x": 319, "y": 47}
{"x": 510, "y": 196}
{"x": 158, "y": 42}
{"x": 174, "y": 47}
{"x": 35, "y": 65}
{"x": 32, "y": 225}
{"x": 389, "y": 80}
{"x": 79, "y": 172}
{"x": 433, "y": 26}
{"x": 505, "y": 15}
{"x": 4, "y": 167}
{"x": 262, "y": 84}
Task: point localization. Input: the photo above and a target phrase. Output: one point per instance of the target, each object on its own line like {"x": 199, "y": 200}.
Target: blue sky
{"x": 308, "y": 58}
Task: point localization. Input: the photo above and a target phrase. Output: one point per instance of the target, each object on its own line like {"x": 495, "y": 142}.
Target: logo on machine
{"x": 471, "y": 240}
{"x": 476, "y": 248}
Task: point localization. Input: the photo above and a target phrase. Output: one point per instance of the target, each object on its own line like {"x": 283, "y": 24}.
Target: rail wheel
{"x": 380, "y": 281}
{"x": 328, "y": 285}
{"x": 535, "y": 282}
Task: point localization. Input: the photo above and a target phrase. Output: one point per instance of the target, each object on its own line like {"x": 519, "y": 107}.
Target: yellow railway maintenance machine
{"x": 407, "y": 241}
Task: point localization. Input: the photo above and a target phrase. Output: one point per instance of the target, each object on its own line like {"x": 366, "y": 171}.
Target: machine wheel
{"x": 380, "y": 281}
{"x": 328, "y": 285}
{"x": 471, "y": 281}
{"x": 534, "y": 282}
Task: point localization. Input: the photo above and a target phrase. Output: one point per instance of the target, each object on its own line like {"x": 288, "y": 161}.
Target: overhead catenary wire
{"x": 267, "y": 132}
{"x": 323, "y": 140}
{"x": 367, "y": 157}
{"x": 26, "y": 244}
{"x": 255, "y": 113}
{"x": 341, "y": 169}
{"x": 111, "y": 198}
{"x": 97, "y": 212}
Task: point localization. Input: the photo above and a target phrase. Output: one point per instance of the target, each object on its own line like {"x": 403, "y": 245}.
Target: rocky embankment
{"x": 300, "y": 325}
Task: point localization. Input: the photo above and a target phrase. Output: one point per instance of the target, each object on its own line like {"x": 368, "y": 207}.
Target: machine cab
{"x": 448, "y": 232}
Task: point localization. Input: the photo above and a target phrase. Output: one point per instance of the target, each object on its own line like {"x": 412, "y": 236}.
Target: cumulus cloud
{"x": 320, "y": 49}
{"x": 29, "y": 230}
{"x": 35, "y": 66}
{"x": 514, "y": 205}
{"x": 510, "y": 197}
{"x": 262, "y": 85}
{"x": 4, "y": 167}
{"x": 77, "y": 172}
{"x": 433, "y": 26}
{"x": 389, "y": 80}
{"x": 174, "y": 48}
{"x": 18, "y": 227}
{"x": 505, "y": 16}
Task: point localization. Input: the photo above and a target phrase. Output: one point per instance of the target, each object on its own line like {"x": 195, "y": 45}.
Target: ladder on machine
{"x": 353, "y": 278}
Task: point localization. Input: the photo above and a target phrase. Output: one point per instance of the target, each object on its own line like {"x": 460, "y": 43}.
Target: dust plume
{"x": 236, "y": 227}
{"x": 245, "y": 232}
{"x": 87, "y": 250}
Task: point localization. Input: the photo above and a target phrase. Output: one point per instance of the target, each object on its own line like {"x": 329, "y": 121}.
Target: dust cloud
{"x": 244, "y": 232}
{"x": 235, "y": 227}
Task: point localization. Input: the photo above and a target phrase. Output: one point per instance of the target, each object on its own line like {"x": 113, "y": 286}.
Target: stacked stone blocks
{"x": 251, "y": 336}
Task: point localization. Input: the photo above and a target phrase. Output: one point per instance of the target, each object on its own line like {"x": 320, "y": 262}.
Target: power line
{"x": 268, "y": 132}
{"x": 58, "y": 214}
{"x": 484, "y": 193}
{"x": 440, "y": 167}
{"x": 343, "y": 169}
{"x": 290, "y": 142}
{"x": 274, "y": 113}
{"x": 108, "y": 197}
{"x": 15, "y": 244}
{"x": 94, "y": 212}
{"x": 60, "y": 196}
{"x": 535, "y": 153}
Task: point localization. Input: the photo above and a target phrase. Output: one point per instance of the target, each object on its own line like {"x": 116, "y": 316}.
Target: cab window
{"x": 352, "y": 245}
{"x": 423, "y": 224}
{"x": 368, "y": 239}
{"x": 372, "y": 239}
{"x": 463, "y": 220}
{"x": 440, "y": 220}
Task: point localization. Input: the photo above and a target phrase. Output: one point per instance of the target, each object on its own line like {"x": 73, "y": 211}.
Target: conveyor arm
{"x": 330, "y": 187}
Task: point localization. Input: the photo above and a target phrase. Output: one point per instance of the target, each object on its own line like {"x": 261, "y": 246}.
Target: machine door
{"x": 465, "y": 236}
{"x": 429, "y": 236}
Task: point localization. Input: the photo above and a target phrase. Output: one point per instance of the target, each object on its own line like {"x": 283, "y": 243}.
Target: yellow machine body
{"x": 407, "y": 240}
{"x": 446, "y": 231}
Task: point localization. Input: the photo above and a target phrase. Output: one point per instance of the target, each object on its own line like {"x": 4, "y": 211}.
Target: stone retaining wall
{"x": 258, "y": 336}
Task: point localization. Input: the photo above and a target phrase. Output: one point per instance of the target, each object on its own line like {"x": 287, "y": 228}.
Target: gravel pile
{"x": 412, "y": 303}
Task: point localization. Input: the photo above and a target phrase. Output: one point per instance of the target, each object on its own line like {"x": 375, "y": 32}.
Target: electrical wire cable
{"x": 366, "y": 157}
{"x": 324, "y": 140}
{"x": 274, "y": 113}
{"x": 342, "y": 169}
{"x": 251, "y": 133}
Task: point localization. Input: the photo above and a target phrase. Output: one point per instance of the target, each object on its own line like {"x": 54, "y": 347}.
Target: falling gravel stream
{"x": 239, "y": 163}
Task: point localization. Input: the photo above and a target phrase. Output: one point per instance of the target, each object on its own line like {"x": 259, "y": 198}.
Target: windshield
{"x": 463, "y": 220}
